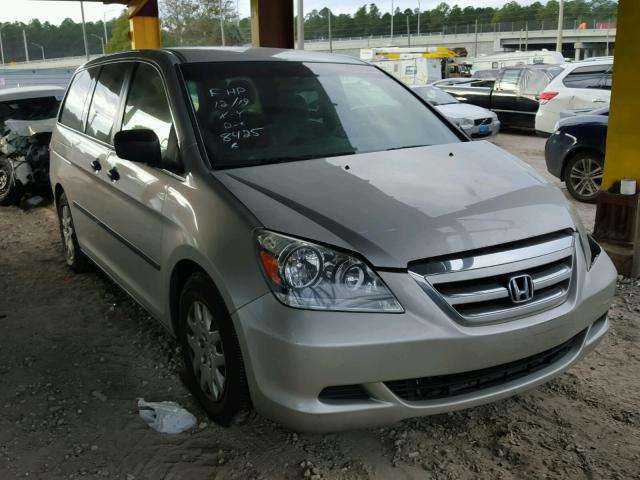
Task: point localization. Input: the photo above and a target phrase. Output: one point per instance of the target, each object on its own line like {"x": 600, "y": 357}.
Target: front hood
{"x": 463, "y": 110}
{"x": 403, "y": 205}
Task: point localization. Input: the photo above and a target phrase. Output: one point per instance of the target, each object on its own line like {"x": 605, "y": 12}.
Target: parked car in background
{"x": 513, "y": 95}
{"x": 486, "y": 74}
{"x": 575, "y": 152}
{"x": 325, "y": 247}
{"x": 471, "y": 82}
{"x": 581, "y": 85}
{"x": 27, "y": 116}
{"x": 477, "y": 122}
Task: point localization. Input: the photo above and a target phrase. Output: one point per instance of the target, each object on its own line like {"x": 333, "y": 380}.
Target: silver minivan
{"x": 327, "y": 248}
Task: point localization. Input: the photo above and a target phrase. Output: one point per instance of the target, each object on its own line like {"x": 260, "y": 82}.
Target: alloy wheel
{"x": 586, "y": 177}
{"x": 4, "y": 181}
{"x": 205, "y": 348}
{"x": 67, "y": 234}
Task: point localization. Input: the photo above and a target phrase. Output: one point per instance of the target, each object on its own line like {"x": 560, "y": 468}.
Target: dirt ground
{"x": 76, "y": 354}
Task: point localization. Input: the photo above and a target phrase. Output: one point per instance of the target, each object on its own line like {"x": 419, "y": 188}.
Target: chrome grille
{"x": 474, "y": 287}
{"x": 482, "y": 121}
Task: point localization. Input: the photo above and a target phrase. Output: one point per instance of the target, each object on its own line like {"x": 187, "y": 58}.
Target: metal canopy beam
{"x": 272, "y": 23}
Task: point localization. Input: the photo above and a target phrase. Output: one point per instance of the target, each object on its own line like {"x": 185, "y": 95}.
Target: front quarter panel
{"x": 206, "y": 225}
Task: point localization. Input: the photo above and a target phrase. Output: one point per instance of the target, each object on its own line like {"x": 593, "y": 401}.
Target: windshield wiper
{"x": 408, "y": 146}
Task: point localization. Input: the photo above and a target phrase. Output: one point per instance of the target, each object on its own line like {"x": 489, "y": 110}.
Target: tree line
{"x": 369, "y": 20}
{"x": 64, "y": 40}
{"x": 204, "y": 22}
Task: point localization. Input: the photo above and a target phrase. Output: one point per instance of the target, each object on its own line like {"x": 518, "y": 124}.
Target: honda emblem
{"x": 520, "y": 288}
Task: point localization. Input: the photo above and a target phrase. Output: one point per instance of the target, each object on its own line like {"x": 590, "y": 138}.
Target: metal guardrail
{"x": 47, "y": 63}
{"x": 503, "y": 27}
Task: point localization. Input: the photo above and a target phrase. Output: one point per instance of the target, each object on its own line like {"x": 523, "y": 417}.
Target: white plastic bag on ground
{"x": 166, "y": 417}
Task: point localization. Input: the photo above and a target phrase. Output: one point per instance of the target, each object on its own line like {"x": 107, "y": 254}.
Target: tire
{"x": 583, "y": 176}
{"x": 10, "y": 190}
{"x": 76, "y": 260}
{"x": 214, "y": 369}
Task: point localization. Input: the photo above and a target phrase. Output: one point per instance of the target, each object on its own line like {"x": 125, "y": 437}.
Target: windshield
{"x": 435, "y": 96}
{"x": 252, "y": 113}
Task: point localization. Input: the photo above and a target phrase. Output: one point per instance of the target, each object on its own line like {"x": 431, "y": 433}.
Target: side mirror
{"x": 140, "y": 146}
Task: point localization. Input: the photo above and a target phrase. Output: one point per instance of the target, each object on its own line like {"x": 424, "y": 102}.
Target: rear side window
{"x": 147, "y": 107}
{"x": 534, "y": 81}
{"x": 104, "y": 104}
{"x": 592, "y": 76}
{"x": 509, "y": 80}
{"x": 74, "y": 104}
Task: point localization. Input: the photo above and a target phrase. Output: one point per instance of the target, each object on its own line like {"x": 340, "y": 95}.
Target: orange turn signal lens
{"x": 270, "y": 265}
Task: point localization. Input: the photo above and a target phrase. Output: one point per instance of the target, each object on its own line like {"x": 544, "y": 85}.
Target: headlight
{"x": 464, "y": 122}
{"x": 585, "y": 241}
{"x": 305, "y": 275}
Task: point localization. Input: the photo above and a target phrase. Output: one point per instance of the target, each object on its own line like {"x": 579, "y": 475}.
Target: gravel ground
{"x": 76, "y": 353}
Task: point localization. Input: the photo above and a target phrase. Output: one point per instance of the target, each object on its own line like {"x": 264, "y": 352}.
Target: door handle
{"x": 113, "y": 174}
{"x": 96, "y": 165}
{"x": 598, "y": 100}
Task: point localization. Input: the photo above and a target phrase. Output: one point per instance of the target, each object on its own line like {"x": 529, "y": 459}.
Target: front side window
{"x": 263, "y": 112}
{"x": 74, "y": 104}
{"x": 147, "y": 106}
{"x": 104, "y": 104}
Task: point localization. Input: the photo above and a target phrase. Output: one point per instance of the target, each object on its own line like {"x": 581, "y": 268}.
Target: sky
{"x": 56, "y": 11}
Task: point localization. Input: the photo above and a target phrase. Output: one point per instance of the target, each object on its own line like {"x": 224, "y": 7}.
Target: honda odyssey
{"x": 327, "y": 248}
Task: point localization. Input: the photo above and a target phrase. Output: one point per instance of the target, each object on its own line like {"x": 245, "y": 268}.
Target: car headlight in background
{"x": 464, "y": 122}
{"x": 306, "y": 275}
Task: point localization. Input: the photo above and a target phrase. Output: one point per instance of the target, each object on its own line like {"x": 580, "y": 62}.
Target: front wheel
{"x": 9, "y": 188}
{"x": 76, "y": 260}
{"x": 583, "y": 176}
{"x": 214, "y": 367}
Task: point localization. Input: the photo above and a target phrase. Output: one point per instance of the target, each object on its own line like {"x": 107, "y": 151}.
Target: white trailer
{"x": 412, "y": 65}
{"x": 412, "y": 71}
{"x": 497, "y": 61}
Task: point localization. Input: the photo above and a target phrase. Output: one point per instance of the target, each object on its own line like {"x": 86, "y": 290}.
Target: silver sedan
{"x": 477, "y": 122}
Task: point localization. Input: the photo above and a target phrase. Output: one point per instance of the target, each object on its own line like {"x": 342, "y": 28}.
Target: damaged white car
{"x": 27, "y": 116}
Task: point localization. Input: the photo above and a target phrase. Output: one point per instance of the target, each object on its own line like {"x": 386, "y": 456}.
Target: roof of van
{"x": 230, "y": 54}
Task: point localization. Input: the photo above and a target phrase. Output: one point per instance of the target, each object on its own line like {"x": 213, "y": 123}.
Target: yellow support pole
{"x": 144, "y": 24}
{"x": 617, "y": 226}
{"x": 623, "y": 142}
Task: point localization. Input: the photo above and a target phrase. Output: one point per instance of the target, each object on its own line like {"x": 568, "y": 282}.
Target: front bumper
{"x": 483, "y": 132}
{"x": 291, "y": 355}
{"x": 555, "y": 152}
